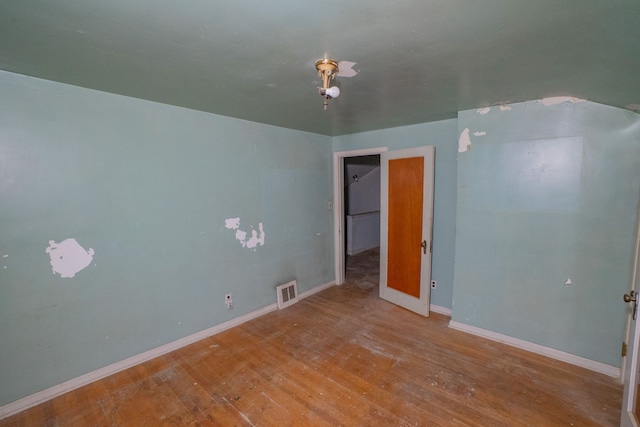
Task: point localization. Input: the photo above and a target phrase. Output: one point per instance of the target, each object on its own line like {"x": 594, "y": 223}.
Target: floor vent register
{"x": 287, "y": 294}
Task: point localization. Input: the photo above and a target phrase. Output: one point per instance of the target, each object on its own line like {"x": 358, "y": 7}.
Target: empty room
{"x": 364, "y": 213}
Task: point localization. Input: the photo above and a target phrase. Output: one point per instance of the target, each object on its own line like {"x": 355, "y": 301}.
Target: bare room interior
{"x": 319, "y": 213}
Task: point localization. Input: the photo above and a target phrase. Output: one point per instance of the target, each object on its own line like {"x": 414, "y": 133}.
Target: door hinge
{"x": 624, "y": 349}
{"x": 431, "y": 247}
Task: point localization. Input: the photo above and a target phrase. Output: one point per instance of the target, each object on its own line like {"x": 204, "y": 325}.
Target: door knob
{"x": 632, "y": 297}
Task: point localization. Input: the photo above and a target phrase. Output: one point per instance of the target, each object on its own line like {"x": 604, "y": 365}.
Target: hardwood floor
{"x": 341, "y": 357}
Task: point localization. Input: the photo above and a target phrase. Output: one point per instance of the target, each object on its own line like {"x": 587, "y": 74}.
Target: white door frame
{"x": 338, "y": 204}
{"x": 629, "y": 370}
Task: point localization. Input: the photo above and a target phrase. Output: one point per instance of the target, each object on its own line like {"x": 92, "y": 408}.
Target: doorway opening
{"x": 362, "y": 220}
{"x": 356, "y": 167}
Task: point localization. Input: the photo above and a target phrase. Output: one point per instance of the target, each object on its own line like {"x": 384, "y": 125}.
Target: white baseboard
{"x": 315, "y": 290}
{"x": 441, "y": 310}
{"x": 67, "y": 386}
{"x": 592, "y": 365}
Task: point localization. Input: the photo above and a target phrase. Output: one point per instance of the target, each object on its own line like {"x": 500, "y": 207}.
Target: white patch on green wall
{"x": 555, "y": 100}
{"x": 483, "y": 111}
{"x": 232, "y": 223}
{"x": 479, "y": 133}
{"x": 505, "y": 108}
{"x": 464, "y": 142}
{"x": 257, "y": 236}
{"x": 68, "y": 257}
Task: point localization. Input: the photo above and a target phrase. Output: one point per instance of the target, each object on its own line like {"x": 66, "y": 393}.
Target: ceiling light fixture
{"x": 327, "y": 70}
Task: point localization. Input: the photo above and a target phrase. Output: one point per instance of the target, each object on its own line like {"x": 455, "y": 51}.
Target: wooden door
{"x": 406, "y": 227}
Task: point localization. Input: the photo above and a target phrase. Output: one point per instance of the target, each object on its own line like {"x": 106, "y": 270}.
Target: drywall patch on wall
{"x": 555, "y": 100}
{"x": 5, "y": 256}
{"x": 483, "y": 111}
{"x": 257, "y": 236}
{"x": 505, "y": 108}
{"x": 479, "y": 133}
{"x": 464, "y": 142}
{"x": 68, "y": 257}
{"x": 542, "y": 175}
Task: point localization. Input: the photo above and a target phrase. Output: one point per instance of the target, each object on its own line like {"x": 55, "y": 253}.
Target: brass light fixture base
{"x": 327, "y": 70}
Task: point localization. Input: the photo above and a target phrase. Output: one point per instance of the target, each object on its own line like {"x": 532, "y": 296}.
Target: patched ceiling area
{"x": 416, "y": 60}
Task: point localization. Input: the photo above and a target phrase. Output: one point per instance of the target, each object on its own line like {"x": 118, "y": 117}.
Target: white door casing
{"x": 631, "y": 362}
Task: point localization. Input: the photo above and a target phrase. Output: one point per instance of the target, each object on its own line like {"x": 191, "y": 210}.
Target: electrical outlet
{"x": 229, "y": 301}
{"x": 434, "y": 284}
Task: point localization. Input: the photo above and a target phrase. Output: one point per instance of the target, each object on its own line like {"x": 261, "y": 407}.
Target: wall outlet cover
{"x": 228, "y": 301}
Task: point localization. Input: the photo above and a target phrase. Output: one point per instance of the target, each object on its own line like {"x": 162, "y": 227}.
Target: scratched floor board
{"x": 282, "y": 373}
{"x": 341, "y": 357}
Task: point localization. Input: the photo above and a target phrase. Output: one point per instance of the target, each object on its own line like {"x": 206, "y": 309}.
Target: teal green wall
{"x": 548, "y": 193}
{"x": 545, "y": 194}
{"x": 442, "y": 135}
{"x": 148, "y": 187}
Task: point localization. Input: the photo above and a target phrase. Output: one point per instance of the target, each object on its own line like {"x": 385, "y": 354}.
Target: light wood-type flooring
{"x": 341, "y": 357}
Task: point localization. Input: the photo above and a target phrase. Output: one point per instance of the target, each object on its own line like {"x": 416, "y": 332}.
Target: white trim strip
{"x": 592, "y": 365}
{"x": 75, "y": 383}
{"x": 315, "y": 290}
{"x": 440, "y": 310}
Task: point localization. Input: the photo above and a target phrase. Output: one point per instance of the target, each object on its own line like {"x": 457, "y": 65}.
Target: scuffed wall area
{"x": 546, "y": 209}
{"x": 114, "y": 233}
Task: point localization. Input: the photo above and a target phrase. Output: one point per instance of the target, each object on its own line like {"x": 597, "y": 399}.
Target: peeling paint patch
{"x": 483, "y": 111}
{"x": 232, "y": 223}
{"x": 479, "y": 133}
{"x": 345, "y": 69}
{"x": 633, "y": 107}
{"x": 505, "y": 108}
{"x": 464, "y": 143}
{"x": 257, "y": 236}
{"x": 555, "y": 100}
{"x": 68, "y": 257}
{"x": 241, "y": 236}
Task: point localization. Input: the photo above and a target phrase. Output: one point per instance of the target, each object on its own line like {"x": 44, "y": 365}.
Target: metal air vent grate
{"x": 287, "y": 294}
